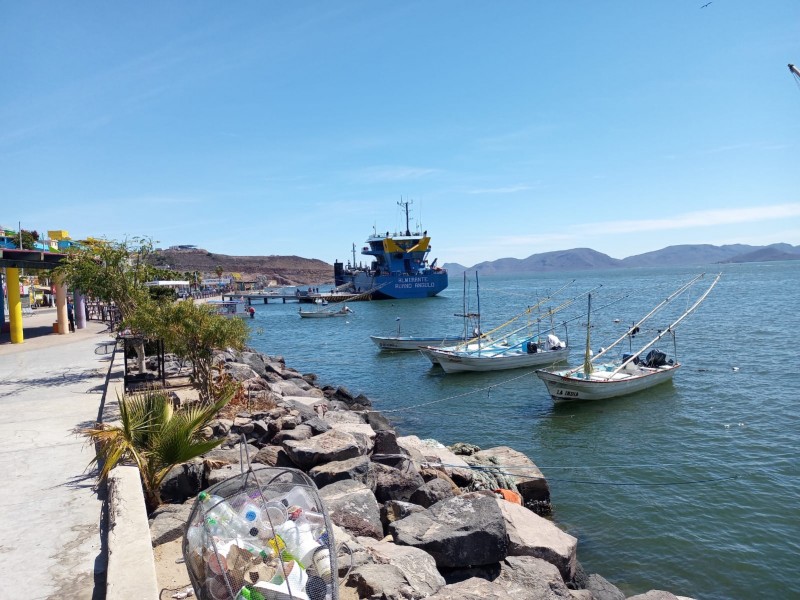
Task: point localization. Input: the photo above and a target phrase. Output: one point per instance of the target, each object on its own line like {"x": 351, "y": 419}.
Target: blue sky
{"x": 295, "y": 127}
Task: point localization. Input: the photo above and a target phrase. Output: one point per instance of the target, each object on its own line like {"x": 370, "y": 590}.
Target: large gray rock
{"x": 363, "y": 433}
{"x": 431, "y": 452}
{"x": 255, "y": 361}
{"x": 458, "y": 532}
{"x": 395, "y": 510}
{"x": 520, "y": 578}
{"x": 301, "y": 432}
{"x": 351, "y": 553}
{"x": 357, "y": 468}
{"x": 183, "y": 481}
{"x": 353, "y": 506}
{"x": 295, "y": 387}
{"x": 229, "y": 456}
{"x": 515, "y": 471}
{"x": 168, "y": 522}
{"x": 431, "y": 492}
{"x": 532, "y": 535}
{"x": 395, "y": 484}
{"x": 655, "y": 595}
{"x": 327, "y": 447}
{"x": 602, "y": 589}
{"x": 399, "y": 572}
{"x": 240, "y": 371}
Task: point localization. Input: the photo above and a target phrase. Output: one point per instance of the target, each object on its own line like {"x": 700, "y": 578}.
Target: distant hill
{"x": 284, "y": 270}
{"x": 686, "y": 255}
{"x": 581, "y": 259}
{"x": 769, "y": 253}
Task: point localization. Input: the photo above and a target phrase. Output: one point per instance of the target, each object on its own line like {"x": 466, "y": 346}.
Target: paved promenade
{"x": 50, "y": 386}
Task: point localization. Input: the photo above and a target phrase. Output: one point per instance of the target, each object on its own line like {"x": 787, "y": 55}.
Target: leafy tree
{"x": 29, "y": 238}
{"x": 218, "y": 270}
{"x": 154, "y": 436}
{"x": 112, "y": 272}
{"x": 193, "y": 331}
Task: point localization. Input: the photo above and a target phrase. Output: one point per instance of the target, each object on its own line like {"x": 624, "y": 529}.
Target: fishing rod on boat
{"x": 564, "y": 323}
{"x": 548, "y": 314}
{"x": 671, "y": 328}
{"x": 527, "y": 311}
{"x": 658, "y": 307}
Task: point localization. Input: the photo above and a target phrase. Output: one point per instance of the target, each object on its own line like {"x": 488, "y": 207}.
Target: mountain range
{"x": 582, "y": 259}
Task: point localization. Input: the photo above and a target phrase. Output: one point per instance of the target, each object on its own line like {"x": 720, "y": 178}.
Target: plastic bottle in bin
{"x": 263, "y": 520}
{"x": 221, "y": 518}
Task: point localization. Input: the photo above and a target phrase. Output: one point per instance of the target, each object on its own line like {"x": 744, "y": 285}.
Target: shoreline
{"x": 431, "y": 477}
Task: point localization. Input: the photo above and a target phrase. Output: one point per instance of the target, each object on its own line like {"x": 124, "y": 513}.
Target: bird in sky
{"x": 706, "y": 4}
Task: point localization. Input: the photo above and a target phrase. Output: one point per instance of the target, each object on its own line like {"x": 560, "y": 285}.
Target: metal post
{"x": 14, "y": 305}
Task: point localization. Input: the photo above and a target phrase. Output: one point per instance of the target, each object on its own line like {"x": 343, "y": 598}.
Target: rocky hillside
{"x": 284, "y": 270}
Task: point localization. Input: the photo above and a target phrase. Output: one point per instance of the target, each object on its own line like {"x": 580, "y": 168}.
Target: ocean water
{"x": 690, "y": 487}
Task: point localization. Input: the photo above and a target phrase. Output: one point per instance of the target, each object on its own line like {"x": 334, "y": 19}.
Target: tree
{"x": 193, "y": 331}
{"x": 113, "y": 272}
{"x": 154, "y": 436}
{"x": 218, "y": 270}
{"x": 29, "y": 238}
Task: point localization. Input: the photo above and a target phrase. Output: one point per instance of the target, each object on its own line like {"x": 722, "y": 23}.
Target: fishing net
{"x": 261, "y": 535}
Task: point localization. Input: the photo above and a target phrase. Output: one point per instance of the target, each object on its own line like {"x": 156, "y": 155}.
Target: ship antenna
{"x": 405, "y": 206}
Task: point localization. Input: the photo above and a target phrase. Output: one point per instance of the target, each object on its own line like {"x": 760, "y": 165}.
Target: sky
{"x": 295, "y": 128}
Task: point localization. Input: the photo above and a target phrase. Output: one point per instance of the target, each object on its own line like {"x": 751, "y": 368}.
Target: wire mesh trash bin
{"x": 261, "y": 535}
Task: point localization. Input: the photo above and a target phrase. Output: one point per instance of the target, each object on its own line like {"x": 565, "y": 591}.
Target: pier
{"x": 298, "y": 296}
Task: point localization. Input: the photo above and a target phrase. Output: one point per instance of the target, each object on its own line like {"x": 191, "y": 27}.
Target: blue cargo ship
{"x": 399, "y": 268}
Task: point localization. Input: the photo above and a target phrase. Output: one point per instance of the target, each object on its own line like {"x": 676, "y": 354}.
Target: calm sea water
{"x": 690, "y": 487}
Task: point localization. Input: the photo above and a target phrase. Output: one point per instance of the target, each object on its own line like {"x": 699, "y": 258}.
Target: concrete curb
{"x": 131, "y": 570}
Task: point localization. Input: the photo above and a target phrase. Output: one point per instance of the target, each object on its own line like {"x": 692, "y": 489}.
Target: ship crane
{"x": 796, "y": 72}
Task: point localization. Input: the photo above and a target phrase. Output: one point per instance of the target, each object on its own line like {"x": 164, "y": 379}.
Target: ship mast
{"x": 796, "y": 72}
{"x": 405, "y": 206}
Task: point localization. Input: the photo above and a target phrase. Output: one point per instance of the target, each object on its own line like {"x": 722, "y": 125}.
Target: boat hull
{"x": 569, "y": 388}
{"x": 413, "y": 343}
{"x": 453, "y": 362}
{"x": 322, "y": 314}
{"x": 397, "y": 287}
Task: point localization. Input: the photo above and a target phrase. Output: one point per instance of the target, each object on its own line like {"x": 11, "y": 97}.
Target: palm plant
{"x": 154, "y": 436}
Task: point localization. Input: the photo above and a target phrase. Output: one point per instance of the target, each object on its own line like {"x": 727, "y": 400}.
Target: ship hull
{"x": 397, "y": 287}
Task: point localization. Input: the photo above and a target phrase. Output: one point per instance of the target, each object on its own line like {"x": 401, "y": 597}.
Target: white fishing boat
{"x": 322, "y": 314}
{"x": 509, "y": 346}
{"x": 411, "y": 342}
{"x": 600, "y": 379}
{"x": 500, "y": 356}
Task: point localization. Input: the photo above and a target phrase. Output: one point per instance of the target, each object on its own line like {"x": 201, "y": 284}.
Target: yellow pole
{"x": 61, "y": 308}
{"x": 14, "y": 305}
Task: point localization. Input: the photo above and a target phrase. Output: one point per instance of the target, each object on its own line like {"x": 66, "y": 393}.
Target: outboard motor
{"x": 532, "y": 348}
{"x": 655, "y": 358}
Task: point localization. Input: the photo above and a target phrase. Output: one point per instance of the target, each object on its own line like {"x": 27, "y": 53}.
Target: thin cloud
{"x": 704, "y": 218}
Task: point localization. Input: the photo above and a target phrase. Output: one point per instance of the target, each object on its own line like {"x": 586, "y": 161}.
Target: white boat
{"x": 500, "y": 356}
{"x": 322, "y": 314}
{"x": 230, "y": 308}
{"x": 410, "y": 342}
{"x": 527, "y": 346}
{"x": 599, "y": 380}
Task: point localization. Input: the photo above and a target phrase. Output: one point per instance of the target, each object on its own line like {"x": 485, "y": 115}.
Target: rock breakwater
{"x": 420, "y": 520}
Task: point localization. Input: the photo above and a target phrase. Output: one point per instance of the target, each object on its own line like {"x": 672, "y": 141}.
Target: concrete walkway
{"x": 50, "y": 530}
